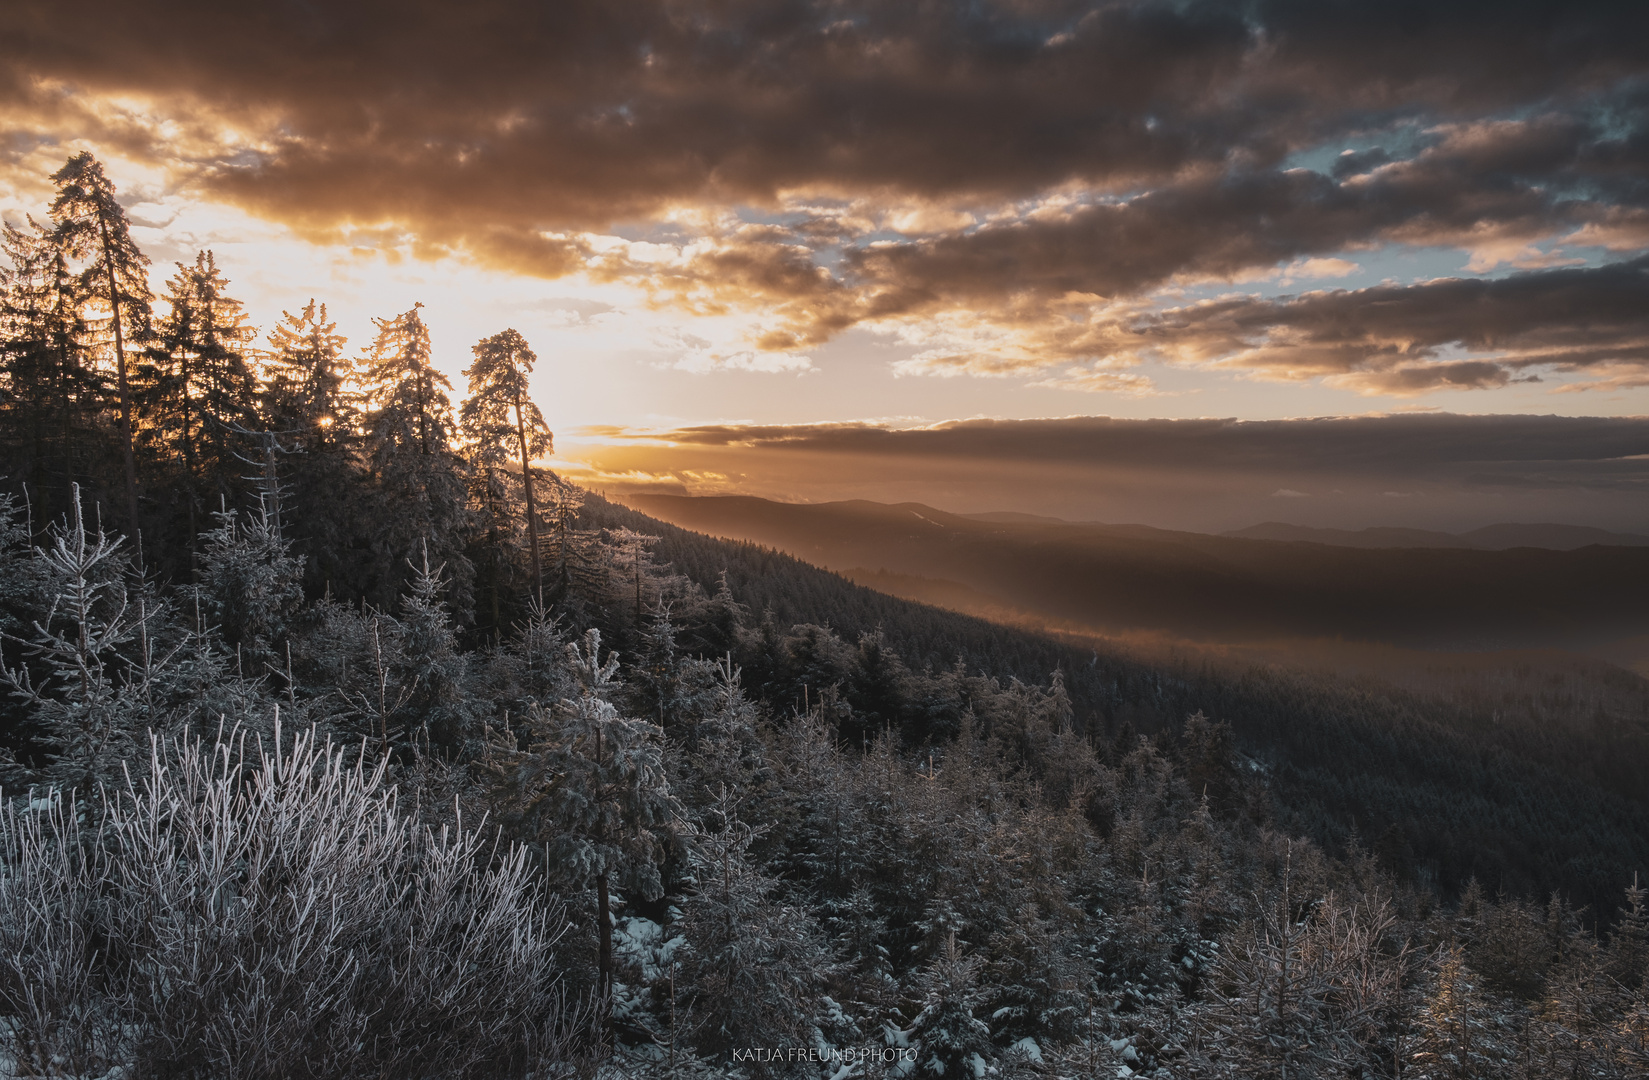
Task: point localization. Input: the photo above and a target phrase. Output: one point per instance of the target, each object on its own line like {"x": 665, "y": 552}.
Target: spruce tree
{"x": 307, "y": 400}
{"x": 93, "y": 700}
{"x": 306, "y": 377}
{"x": 91, "y": 225}
{"x": 409, "y": 430}
{"x": 756, "y": 966}
{"x": 199, "y": 390}
{"x": 950, "y": 1041}
{"x": 1458, "y": 1036}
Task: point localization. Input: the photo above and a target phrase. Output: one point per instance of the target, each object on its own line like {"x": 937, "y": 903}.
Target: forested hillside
{"x": 342, "y": 741}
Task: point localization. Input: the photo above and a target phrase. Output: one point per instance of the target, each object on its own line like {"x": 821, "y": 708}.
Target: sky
{"x": 987, "y": 255}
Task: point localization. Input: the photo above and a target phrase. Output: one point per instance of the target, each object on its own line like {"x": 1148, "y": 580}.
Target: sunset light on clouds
{"x": 873, "y": 218}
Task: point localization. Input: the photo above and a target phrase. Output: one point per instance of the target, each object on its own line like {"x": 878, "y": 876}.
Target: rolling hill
{"x": 1128, "y": 578}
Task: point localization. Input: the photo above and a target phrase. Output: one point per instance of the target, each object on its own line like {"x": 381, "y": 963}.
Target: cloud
{"x": 1391, "y": 444}
{"x": 1389, "y": 338}
{"x": 1003, "y": 181}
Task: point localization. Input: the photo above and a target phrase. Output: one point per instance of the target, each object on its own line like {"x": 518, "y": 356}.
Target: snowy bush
{"x": 229, "y": 913}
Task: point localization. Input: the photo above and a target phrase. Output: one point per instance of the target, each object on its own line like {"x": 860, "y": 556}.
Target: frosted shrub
{"x": 229, "y": 914}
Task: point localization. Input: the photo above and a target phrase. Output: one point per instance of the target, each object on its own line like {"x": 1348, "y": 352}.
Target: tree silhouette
{"x": 409, "y": 431}
{"x": 91, "y": 225}
{"x": 502, "y": 423}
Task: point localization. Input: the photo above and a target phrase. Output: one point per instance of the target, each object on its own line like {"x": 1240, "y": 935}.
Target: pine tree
{"x": 504, "y": 426}
{"x": 91, "y": 225}
{"x": 409, "y": 431}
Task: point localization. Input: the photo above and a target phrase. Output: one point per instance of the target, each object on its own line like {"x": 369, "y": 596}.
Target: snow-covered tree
{"x": 591, "y": 785}
{"x": 949, "y": 1039}
{"x": 754, "y": 967}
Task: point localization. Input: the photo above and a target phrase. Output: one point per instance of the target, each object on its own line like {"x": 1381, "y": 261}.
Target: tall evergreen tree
{"x": 199, "y": 388}
{"x": 308, "y": 402}
{"x": 51, "y": 388}
{"x": 306, "y": 377}
{"x": 91, "y": 225}
{"x": 504, "y": 426}
{"x": 409, "y": 430}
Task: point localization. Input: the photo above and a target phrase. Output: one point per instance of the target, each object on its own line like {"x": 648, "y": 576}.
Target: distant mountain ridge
{"x": 1208, "y": 588}
{"x": 1503, "y": 537}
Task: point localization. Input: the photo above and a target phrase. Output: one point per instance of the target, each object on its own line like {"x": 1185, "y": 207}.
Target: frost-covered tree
{"x": 666, "y": 685}
{"x": 591, "y": 784}
{"x": 754, "y": 968}
{"x": 1301, "y": 996}
{"x": 439, "y": 707}
{"x": 92, "y": 698}
{"x": 250, "y": 584}
{"x": 949, "y": 1039}
{"x": 1628, "y": 962}
{"x": 1459, "y": 1035}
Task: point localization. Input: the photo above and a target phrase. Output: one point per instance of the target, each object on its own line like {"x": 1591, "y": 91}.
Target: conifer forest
{"x": 338, "y": 739}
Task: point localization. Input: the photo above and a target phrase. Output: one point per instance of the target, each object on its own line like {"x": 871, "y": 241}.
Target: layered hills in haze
{"x": 1233, "y": 588}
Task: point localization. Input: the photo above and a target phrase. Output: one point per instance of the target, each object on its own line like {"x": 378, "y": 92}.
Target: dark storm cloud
{"x": 572, "y": 114}
{"x": 1492, "y": 187}
{"x": 1607, "y": 449}
{"x": 1570, "y": 319}
{"x": 1070, "y": 153}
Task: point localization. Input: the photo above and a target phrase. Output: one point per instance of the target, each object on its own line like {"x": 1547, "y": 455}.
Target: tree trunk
{"x": 125, "y": 396}
{"x": 532, "y": 509}
{"x": 604, "y": 988}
